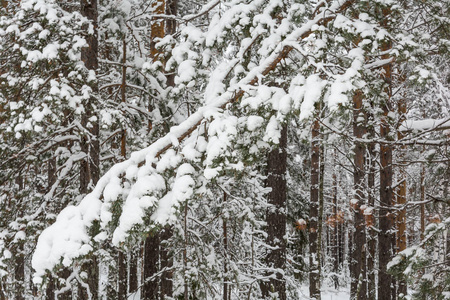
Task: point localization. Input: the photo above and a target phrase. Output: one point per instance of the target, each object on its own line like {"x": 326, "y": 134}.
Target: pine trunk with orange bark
{"x": 386, "y": 218}
{"x": 159, "y": 254}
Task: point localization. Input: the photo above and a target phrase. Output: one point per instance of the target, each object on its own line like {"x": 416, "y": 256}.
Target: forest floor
{"x": 327, "y": 294}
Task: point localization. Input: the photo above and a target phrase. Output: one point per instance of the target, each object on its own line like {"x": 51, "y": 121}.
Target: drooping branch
{"x": 94, "y": 207}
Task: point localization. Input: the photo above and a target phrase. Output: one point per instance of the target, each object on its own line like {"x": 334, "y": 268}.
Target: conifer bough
{"x": 57, "y": 242}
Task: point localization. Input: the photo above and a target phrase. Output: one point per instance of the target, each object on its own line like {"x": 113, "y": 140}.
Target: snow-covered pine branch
{"x": 145, "y": 186}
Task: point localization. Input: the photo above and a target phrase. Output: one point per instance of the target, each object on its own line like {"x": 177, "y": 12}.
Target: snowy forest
{"x": 224, "y": 149}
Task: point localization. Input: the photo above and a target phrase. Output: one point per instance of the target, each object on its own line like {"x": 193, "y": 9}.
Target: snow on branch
{"x": 425, "y": 125}
{"x": 69, "y": 238}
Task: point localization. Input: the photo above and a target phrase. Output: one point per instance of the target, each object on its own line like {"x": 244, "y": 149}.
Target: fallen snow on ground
{"x": 327, "y": 294}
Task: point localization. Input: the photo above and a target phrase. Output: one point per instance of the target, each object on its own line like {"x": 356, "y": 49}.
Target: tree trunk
{"x": 122, "y": 257}
{"x": 335, "y": 239}
{"x": 19, "y": 257}
{"x": 321, "y": 205}
{"x": 166, "y": 255}
{"x": 90, "y": 168}
{"x": 372, "y": 243}
{"x": 19, "y": 272}
{"x": 90, "y": 145}
{"x": 314, "y": 255}
{"x": 401, "y": 198}
{"x": 422, "y": 203}
{"x": 166, "y": 258}
{"x": 122, "y": 275}
{"x": 357, "y": 257}
{"x": 225, "y": 254}
{"x": 276, "y": 218}
{"x": 133, "y": 275}
{"x": 151, "y": 263}
{"x": 51, "y": 179}
{"x": 157, "y": 27}
{"x": 185, "y": 249}
{"x": 446, "y": 198}
{"x": 385, "y": 216}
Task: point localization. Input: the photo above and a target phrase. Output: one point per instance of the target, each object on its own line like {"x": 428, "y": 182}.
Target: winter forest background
{"x": 224, "y": 149}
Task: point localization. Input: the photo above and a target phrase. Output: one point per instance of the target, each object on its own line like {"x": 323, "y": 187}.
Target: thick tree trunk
{"x": 90, "y": 144}
{"x": 157, "y": 27}
{"x": 385, "y": 217}
{"x": 151, "y": 267}
{"x": 167, "y": 233}
{"x": 314, "y": 254}
{"x": 357, "y": 257}
{"x": 50, "y": 290}
{"x": 122, "y": 275}
{"x": 158, "y": 251}
{"x": 171, "y": 10}
{"x": 90, "y": 167}
{"x": 166, "y": 258}
{"x": 133, "y": 275}
{"x": 276, "y": 218}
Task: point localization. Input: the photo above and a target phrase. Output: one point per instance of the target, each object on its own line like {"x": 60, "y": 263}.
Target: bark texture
{"x": 90, "y": 144}
{"x": 372, "y": 236}
{"x": 276, "y": 218}
{"x": 157, "y": 27}
{"x": 335, "y": 228}
{"x": 314, "y": 254}
{"x": 401, "y": 197}
{"x": 385, "y": 217}
{"x": 133, "y": 275}
{"x": 357, "y": 258}
{"x": 122, "y": 275}
{"x": 166, "y": 258}
{"x": 151, "y": 266}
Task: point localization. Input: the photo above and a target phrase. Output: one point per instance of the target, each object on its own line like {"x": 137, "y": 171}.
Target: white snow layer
{"x": 144, "y": 184}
